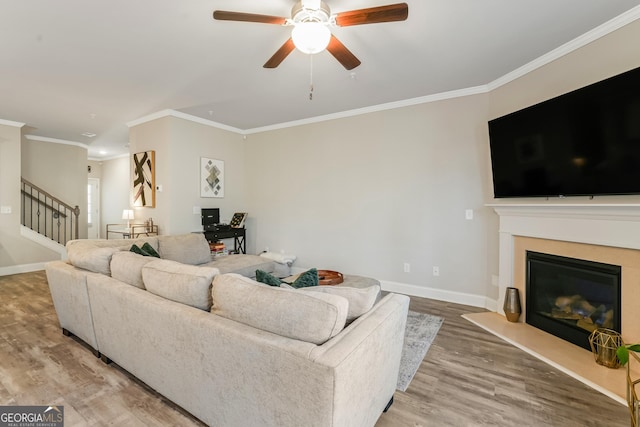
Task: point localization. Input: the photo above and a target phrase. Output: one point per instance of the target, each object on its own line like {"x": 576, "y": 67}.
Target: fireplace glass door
{"x": 570, "y": 298}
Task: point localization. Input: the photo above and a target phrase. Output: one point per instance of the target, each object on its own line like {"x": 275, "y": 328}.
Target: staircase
{"x": 48, "y": 215}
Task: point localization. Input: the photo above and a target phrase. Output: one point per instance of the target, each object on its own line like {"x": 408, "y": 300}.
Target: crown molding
{"x": 375, "y": 108}
{"x": 104, "y": 159}
{"x": 608, "y": 27}
{"x": 181, "y": 115}
{"x": 348, "y": 113}
{"x": 10, "y": 123}
{"x": 580, "y": 41}
{"x": 56, "y": 141}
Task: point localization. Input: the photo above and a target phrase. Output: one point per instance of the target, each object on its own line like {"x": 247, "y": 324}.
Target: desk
{"x": 237, "y": 234}
{"x": 133, "y": 232}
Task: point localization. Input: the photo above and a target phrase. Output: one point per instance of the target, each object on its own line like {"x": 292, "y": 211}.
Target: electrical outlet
{"x": 436, "y": 271}
{"x": 468, "y": 214}
{"x": 5, "y": 209}
{"x": 407, "y": 267}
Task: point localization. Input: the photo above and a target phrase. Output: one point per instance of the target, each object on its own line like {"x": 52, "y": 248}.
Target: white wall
{"x": 362, "y": 195}
{"x": 114, "y": 192}
{"x": 366, "y": 194}
{"x": 60, "y": 170}
{"x": 179, "y": 144}
{"x": 17, "y": 254}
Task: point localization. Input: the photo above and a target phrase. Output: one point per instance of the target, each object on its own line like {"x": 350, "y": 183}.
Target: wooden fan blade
{"x": 373, "y": 15}
{"x": 223, "y": 15}
{"x": 280, "y": 54}
{"x": 342, "y": 54}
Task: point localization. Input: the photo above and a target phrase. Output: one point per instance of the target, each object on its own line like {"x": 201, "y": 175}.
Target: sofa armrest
{"x": 68, "y": 286}
{"x": 365, "y": 358}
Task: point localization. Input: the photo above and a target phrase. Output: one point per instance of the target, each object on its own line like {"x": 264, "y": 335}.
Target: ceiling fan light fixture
{"x": 311, "y": 4}
{"x": 311, "y": 37}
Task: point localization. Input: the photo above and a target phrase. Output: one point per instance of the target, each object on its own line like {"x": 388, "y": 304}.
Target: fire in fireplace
{"x": 570, "y": 297}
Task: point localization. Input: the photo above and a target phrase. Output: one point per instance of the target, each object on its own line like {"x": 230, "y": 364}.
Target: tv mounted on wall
{"x": 583, "y": 143}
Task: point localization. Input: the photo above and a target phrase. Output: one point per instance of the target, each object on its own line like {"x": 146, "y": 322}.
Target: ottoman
{"x": 350, "y": 281}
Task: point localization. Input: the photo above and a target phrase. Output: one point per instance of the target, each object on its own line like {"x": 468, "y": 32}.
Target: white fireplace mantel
{"x": 616, "y": 225}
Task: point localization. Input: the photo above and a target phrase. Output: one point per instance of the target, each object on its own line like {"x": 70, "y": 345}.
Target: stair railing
{"x": 48, "y": 215}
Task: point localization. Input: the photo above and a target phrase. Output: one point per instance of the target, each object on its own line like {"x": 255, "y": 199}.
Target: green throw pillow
{"x": 146, "y": 250}
{"x": 149, "y": 250}
{"x": 264, "y": 277}
{"x": 307, "y": 279}
{"x": 136, "y": 249}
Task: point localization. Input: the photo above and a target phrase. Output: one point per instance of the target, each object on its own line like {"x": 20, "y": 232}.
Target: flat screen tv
{"x": 583, "y": 143}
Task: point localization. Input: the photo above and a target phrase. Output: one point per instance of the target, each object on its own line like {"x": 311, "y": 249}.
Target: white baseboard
{"x": 437, "y": 294}
{"x": 440, "y": 295}
{"x": 491, "y": 305}
{"x": 24, "y": 268}
{"x": 401, "y": 288}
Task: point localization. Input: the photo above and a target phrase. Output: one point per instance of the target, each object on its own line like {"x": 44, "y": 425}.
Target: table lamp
{"x": 128, "y": 215}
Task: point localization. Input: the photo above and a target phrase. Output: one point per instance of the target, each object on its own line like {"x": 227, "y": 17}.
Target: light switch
{"x": 5, "y": 209}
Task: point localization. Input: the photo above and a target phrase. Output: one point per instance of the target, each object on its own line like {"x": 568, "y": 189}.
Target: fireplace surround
{"x": 605, "y": 233}
{"x": 594, "y": 232}
{"x": 601, "y": 232}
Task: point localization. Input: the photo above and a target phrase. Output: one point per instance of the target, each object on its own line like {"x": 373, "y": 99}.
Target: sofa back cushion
{"x": 126, "y": 266}
{"x": 304, "y": 316}
{"x": 360, "y": 300}
{"x": 191, "y": 248}
{"x": 186, "y": 284}
{"x": 95, "y": 255}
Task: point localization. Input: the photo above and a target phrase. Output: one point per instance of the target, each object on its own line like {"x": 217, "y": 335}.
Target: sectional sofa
{"x": 231, "y": 351}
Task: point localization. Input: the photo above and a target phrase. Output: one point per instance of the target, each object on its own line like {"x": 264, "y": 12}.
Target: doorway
{"x": 93, "y": 208}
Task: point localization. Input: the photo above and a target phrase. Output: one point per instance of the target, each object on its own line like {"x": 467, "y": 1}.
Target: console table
{"x": 132, "y": 232}
{"x": 237, "y": 234}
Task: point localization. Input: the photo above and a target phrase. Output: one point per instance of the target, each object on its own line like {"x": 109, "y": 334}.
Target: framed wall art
{"x": 211, "y": 177}
{"x": 144, "y": 179}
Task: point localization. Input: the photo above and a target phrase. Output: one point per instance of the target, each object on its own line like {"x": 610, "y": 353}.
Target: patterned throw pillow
{"x": 145, "y": 250}
{"x": 307, "y": 279}
{"x": 266, "y": 278}
{"x": 149, "y": 250}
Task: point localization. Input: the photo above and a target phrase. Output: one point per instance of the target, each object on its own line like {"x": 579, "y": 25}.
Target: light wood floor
{"x": 468, "y": 378}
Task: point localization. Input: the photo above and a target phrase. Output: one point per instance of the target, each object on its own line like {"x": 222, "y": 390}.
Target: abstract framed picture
{"x": 144, "y": 179}
{"x": 211, "y": 177}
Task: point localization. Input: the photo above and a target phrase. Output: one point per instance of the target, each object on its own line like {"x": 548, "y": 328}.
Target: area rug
{"x": 419, "y": 334}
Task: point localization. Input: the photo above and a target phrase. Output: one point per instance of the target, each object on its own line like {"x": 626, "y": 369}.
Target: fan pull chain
{"x": 310, "y": 77}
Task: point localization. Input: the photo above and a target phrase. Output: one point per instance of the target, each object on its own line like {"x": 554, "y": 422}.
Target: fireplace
{"x": 602, "y": 232}
{"x": 571, "y": 297}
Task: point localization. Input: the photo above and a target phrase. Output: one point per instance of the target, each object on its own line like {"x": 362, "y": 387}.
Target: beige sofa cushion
{"x": 190, "y": 248}
{"x": 186, "y": 284}
{"x": 304, "y": 316}
{"x": 95, "y": 255}
{"x": 360, "y": 300}
{"x": 245, "y": 265}
{"x": 127, "y": 266}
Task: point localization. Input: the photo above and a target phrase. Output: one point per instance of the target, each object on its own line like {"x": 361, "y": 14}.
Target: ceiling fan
{"x": 311, "y": 20}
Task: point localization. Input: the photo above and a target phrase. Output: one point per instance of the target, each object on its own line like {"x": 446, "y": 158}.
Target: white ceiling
{"x": 74, "y": 66}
